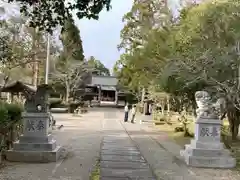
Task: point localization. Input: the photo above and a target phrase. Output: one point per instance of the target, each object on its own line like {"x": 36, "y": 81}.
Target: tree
{"x": 99, "y": 68}
{"x": 207, "y": 47}
{"x": 71, "y": 40}
{"x": 140, "y": 20}
{"x": 72, "y": 78}
{"x": 198, "y": 50}
{"x": 49, "y": 14}
{"x": 23, "y": 52}
{"x": 139, "y": 64}
{"x": 70, "y": 67}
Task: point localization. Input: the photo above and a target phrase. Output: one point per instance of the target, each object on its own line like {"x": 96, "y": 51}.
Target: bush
{"x": 74, "y": 105}
{"x": 3, "y": 115}
{"x": 55, "y": 103}
{"x": 10, "y": 124}
{"x": 14, "y": 111}
{"x": 10, "y": 113}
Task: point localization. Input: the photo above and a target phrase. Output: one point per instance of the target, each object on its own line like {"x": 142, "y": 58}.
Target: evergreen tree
{"x": 71, "y": 40}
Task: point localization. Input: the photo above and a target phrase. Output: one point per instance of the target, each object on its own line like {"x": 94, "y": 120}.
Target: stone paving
{"x": 120, "y": 159}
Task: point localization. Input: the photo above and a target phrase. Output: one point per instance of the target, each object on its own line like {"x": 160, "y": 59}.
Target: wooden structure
{"x": 18, "y": 89}
{"x": 103, "y": 88}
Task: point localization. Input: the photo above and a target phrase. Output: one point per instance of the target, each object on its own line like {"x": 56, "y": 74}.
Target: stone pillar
{"x": 36, "y": 144}
{"x": 206, "y": 150}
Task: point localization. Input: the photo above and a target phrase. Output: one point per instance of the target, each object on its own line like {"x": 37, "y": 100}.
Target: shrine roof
{"x": 18, "y": 86}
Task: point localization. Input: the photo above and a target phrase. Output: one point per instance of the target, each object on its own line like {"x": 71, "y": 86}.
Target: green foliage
{"x": 9, "y": 113}
{"x": 14, "y": 111}
{"x": 199, "y": 50}
{"x": 3, "y": 114}
{"x": 55, "y": 102}
{"x": 71, "y": 40}
{"x": 71, "y": 70}
{"x": 98, "y": 67}
{"x": 74, "y": 105}
{"x": 49, "y": 14}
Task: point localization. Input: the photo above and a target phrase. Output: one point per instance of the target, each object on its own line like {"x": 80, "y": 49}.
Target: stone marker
{"x": 206, "y": 150}
{"x": 36, "y": 144}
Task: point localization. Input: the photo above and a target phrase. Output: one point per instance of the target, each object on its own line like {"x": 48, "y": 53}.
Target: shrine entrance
{"x": 108, "y": 94}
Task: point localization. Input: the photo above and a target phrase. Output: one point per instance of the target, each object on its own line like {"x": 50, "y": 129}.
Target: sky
{"x": 100, "y": 38}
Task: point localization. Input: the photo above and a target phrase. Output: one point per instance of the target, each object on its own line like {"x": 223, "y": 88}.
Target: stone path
{"x": 120, "y": 159}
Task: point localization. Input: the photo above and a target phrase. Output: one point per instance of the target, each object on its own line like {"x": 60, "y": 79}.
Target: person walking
{"x": 126, "y": 110}
{"x": 133, "y": 113}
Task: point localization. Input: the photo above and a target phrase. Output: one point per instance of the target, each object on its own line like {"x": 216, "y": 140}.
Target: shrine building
{"x": 104, "y": 89}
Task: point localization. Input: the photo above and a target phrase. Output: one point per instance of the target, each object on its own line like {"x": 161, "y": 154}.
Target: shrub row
{"x": 58, "y": 103}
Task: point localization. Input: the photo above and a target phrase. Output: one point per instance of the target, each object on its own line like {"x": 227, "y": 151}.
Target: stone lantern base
{"x": 206, "y": 150}
{"x": 36, "y": 144}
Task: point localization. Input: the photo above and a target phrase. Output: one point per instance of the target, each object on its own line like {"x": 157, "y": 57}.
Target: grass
{"x": 95, "y": 174}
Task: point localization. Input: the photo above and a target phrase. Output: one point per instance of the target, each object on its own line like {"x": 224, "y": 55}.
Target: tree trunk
{"x": 233, "y": 118}
{"x": 35, "y": 78}
{"x": 168, "y": 105}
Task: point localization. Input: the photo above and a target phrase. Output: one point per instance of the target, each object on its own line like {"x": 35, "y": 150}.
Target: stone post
{"x": 206, "y": 150}
{"x": 36, "y": 144}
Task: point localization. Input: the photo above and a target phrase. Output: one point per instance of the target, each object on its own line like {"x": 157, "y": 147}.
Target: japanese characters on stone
{"x": 206, "y": 131}
{"x": 33, "y": 125}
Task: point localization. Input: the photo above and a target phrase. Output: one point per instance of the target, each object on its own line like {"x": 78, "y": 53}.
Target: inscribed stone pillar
{"x": 206, "y": 150}
{"x": 36, "y": 144}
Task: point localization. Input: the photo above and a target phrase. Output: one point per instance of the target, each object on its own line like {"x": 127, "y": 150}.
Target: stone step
{"x": 118, "y": 146}
{"x": 119, "y": 152}
{"x": 126, "y": 178}
{"x": 19, "y": 146}
{"x": 34, "y": 156}
{"x": 122, "y": 158}
{"x": 206, "y": 145}
{"x": 206, "y": 152}
{"x": 124, "y": 165}
{"x": 209, "y": 162}
{"x": 40, "y": 139}
{"x": 127, "y": 173}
